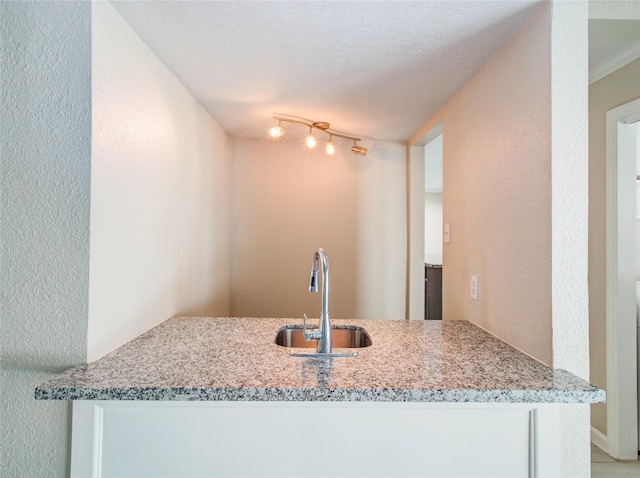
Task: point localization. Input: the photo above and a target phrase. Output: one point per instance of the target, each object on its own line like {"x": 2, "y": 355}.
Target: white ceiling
{"x": 373, "y": 69}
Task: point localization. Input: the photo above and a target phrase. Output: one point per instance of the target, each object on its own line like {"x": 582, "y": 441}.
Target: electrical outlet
{"x": 447, "y": 233}
{"x": 474, "y": 287}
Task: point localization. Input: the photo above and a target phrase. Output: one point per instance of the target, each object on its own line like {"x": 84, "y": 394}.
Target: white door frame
{"x": 621, "y": 263}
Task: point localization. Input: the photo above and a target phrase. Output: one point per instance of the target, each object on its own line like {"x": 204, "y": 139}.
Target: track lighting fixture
{"x": 310, "y": 140}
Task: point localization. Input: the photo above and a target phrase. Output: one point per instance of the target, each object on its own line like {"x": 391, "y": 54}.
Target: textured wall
{"x": 569, "y": 218}
{"x": 159, "y": 195}
{"x": 45, "y": 174}
{"x": 618, "y": 88}
{"x": 569, "y": 175}
{"x": 288, "y": 201}
{"x": 497, "y": 196}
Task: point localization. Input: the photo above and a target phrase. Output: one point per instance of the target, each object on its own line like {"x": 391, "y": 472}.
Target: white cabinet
{"x": 300, "y": 439}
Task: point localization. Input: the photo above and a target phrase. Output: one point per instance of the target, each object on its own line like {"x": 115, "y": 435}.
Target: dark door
{"x": 432, "y": 292}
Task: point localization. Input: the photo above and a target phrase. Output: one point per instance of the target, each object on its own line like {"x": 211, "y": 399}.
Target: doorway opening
{"x": 425, "y": 212}
{"x": 433, "y": 229}
{"x": 622, "y": 275}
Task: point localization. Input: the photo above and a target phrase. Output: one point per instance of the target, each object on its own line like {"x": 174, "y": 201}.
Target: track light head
{"x": 276, "y": 131}
{"x": 361, "y": 150}
{"x": 329, "y": 148}
{"x": 310, "y": 140}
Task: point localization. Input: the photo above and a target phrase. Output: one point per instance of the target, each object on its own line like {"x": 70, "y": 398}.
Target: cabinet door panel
{"x": 294, "y": 440}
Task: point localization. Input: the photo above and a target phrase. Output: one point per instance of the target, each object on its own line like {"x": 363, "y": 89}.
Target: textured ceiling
{"x": 375, "y": 69}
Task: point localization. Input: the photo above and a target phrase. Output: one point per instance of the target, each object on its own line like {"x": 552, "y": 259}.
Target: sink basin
{"x": 352, "y": 337}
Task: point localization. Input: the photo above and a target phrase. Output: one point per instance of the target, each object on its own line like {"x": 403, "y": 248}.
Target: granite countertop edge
{"x": 321, "y": 395}
{"x": 204, "y": 359}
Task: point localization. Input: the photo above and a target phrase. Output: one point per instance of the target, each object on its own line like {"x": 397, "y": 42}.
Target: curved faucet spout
{"x": 323, "y": 334}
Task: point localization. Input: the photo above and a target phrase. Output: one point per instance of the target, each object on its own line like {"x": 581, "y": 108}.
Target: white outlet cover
{"x": 474, "y": 287}
{"x": 447, "y": 233}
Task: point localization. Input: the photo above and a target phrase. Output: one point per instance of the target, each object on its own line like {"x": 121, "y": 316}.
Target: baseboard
{"x": 599, "y": 439}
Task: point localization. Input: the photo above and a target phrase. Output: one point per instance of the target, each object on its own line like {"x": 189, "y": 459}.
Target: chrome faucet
{"x": 323, "y": 334}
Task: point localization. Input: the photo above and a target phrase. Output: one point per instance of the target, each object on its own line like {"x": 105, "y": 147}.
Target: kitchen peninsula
{"x": 217, "y": 397}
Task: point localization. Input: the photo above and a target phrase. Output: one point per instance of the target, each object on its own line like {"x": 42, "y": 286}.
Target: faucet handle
{"x": 315, "y": 335}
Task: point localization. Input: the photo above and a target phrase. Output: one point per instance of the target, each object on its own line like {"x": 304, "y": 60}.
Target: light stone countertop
{"x": 206, "y": 358}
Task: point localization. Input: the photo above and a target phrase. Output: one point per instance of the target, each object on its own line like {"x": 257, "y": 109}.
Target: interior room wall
{"x": 160, "y": 194}
{"x": 497, "y": 194}
{"x": 615, "y": 89}
{"x": 433, "y": 228}
{"x": 45, "y": 95}
{"x": 289, "y": 201}
{"x": 433, "y": 201}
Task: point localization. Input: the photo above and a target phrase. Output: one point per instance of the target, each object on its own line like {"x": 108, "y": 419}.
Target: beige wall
{"x": 497, "y": 195}
{"x": 160, "y": 198}
{"x": 613, "y": 90}
{"x": 289, "y": 201}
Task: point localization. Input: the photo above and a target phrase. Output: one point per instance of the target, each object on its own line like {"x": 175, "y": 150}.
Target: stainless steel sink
{"x": 342, "y": 338}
